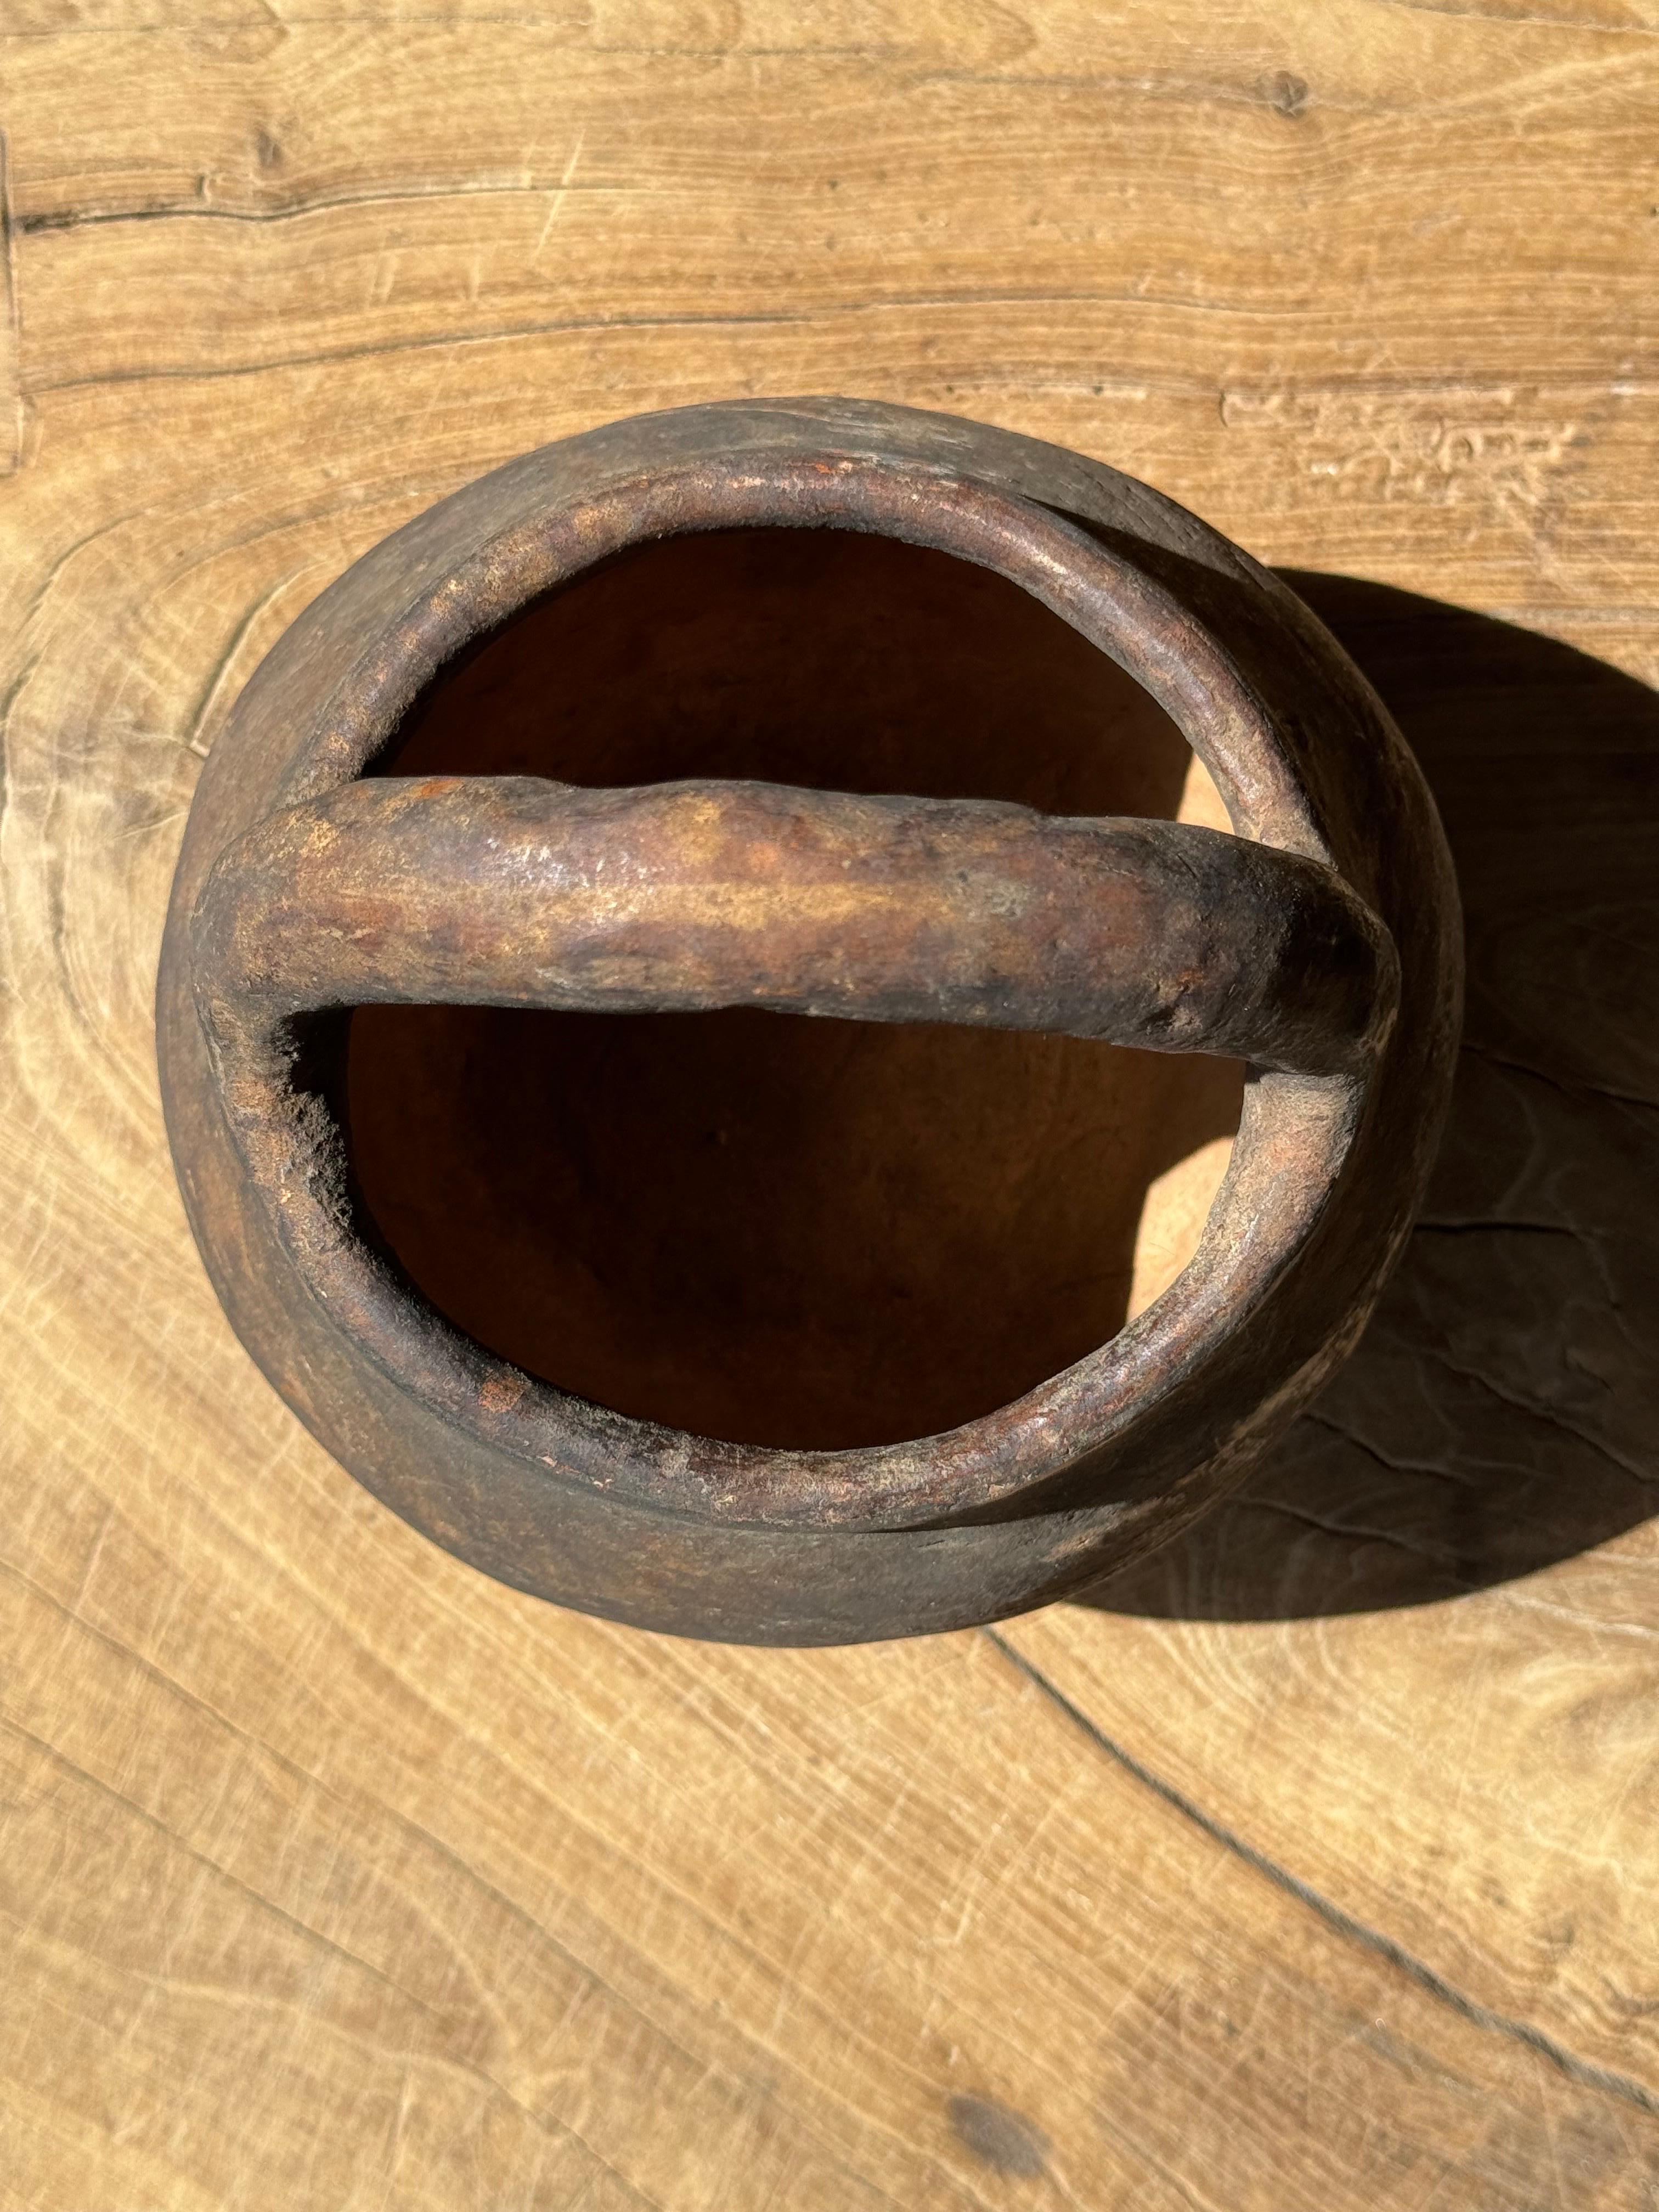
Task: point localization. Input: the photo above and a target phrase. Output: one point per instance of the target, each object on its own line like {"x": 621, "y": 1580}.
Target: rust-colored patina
{"x": 1319, "y": 942}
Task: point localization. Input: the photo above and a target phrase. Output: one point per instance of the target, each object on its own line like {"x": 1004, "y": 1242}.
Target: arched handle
{"x": 516, "y": 891}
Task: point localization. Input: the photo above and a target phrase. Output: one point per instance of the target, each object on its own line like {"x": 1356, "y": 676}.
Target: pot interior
{"x": 755, "y": 1226}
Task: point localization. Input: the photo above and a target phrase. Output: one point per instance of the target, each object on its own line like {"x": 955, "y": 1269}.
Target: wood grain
{"x": 1317, "y": 1869}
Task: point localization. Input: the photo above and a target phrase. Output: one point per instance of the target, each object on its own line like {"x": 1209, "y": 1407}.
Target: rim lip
{"x": 1095, "y": 1405}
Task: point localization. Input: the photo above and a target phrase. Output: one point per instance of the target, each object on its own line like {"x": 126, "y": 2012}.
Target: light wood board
{"x": 1318, "y": 1869}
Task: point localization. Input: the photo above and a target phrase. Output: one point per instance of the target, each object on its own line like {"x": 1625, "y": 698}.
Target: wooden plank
{"x": 1316, "y": 1869}
{"x": 1201, "y": 289}
{"x": 1408, "y": 490}
{"x": 1201, "y": 218}
{"x": 482, "y": 1896}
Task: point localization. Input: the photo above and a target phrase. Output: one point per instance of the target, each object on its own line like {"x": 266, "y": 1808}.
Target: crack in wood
{"x": 559, "y": 326}
{"x": 11, "y": 372}
{"x": 1505, "y": 21}
{"x": 1582, "y": 2071}
{"x": 61, "y": 219}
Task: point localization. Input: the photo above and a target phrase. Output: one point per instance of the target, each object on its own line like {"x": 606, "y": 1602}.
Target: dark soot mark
{"x": 1003, "y": 2139}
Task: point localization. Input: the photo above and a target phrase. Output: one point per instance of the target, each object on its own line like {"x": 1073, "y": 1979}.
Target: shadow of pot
{"x": 1501, "y": 1411}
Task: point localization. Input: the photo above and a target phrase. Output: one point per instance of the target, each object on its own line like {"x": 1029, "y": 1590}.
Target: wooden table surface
{"x": 1316, "y": 1867}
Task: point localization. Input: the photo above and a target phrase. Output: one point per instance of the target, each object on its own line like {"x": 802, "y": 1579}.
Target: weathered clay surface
{"x": 510, "y": 892}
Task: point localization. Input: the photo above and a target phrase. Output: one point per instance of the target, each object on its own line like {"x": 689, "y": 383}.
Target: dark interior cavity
{"x": 755, "y": 1226}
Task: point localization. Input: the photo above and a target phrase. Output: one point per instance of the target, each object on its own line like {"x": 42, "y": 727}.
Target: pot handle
{"x": 518, "y": 891}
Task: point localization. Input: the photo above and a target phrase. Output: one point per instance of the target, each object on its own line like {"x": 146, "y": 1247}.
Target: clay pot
{"x": 384, "y": 902}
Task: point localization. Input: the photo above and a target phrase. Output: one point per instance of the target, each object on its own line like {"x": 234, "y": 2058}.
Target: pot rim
{"x": 1295, "y": 1137}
